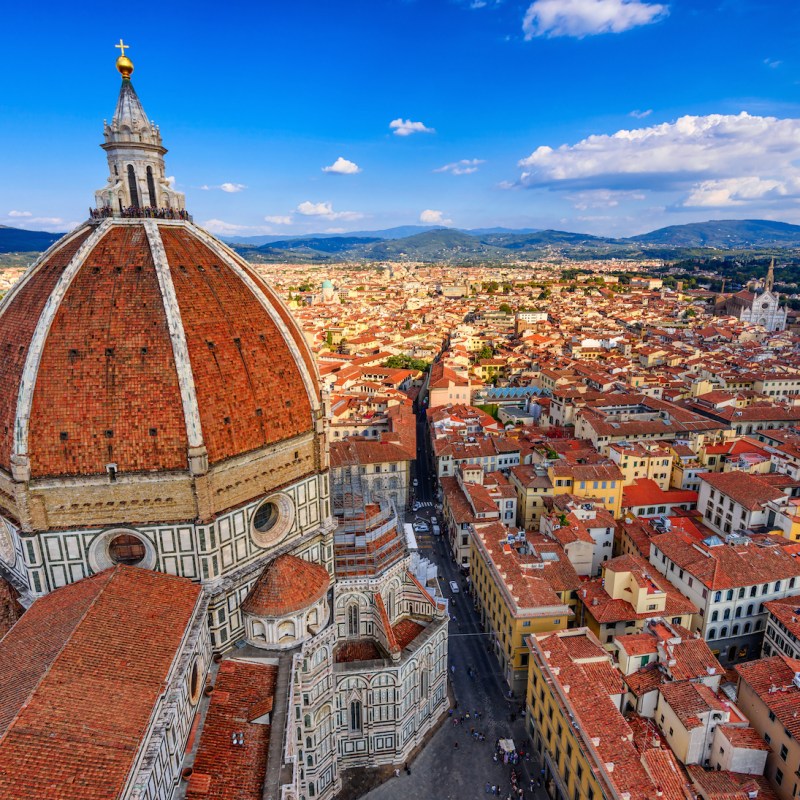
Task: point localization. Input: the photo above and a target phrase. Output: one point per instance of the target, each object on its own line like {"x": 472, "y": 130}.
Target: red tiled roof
{"x": 786, "y": 610}
{"x": 223, "y": 771}
{"x": 751, "y": 491}
{"x": 358, "y": 650}
{"x": 287, "y": 584}
{"x": 406, "y": 630}
{"x": 80, "y": 675}
{"x": 772, "y": 679}
{"x": 721, "y": 785}
{"x": 18, "y": 319}
{"x": 646, "y": 492}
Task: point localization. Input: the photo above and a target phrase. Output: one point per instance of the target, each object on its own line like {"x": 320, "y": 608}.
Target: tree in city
{"x": 406, "y": 362}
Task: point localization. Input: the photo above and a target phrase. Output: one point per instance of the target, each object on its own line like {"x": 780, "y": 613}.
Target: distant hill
{"x": 429, "y": 244}
{"x": 311, "y": 244}
{"x": 17, "y": 240}
{"x": 725, "y": 233}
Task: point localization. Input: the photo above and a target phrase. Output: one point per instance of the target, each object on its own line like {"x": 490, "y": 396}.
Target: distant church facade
{"x": 758, "y": 308}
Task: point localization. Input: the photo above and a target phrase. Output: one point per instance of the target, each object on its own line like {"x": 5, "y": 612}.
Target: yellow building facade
{"x": 522, "y": 587}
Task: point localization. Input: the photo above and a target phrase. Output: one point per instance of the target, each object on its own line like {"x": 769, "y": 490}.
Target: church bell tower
{"x": 135, "y": 156}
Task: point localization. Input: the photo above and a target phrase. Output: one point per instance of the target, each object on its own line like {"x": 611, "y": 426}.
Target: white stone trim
{"x": 283, "y": 525}
{"x": 97, "y": 554}
{"x": 231, "y": 261}
{"x": 34, "y": 268}
{"x": 177, "y": 335}
{"x": 34, "y": 357}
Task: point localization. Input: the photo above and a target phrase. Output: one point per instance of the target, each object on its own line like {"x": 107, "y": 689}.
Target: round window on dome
{"x": 272, "y": 520}
{"x": 266, "y": 517}
{"x": 126, "y": 549}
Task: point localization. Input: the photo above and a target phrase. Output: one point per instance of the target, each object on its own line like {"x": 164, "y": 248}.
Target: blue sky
{"x": 606, "y": 116}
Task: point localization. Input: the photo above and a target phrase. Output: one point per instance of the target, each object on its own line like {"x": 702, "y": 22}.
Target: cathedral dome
{"x": 144, "y": 345}
{"x": 288, "y": 584}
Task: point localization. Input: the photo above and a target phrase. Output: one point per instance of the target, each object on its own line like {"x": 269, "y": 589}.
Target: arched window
{"x": 307, "y": 720}
{"x": 747, "y": 627}
{"x": 727, "y": 614}
{"x": 309, "y": 761}
{"x": 355, "y": 715}
{"x": 717, "y": 597}
{"x": 425, "y": 683}
{"x": 259, "y": 631}
{"x": 309, "y": 746}
{"x": 714, "y": 616}
{"x": 724, "y": 632}
{"x": 151, "y": 187}
{"x": 390, "y": 605}
{"x": 286, "y": 630}
{"x": 712, "y": 634}
{"x": 132, "y": 188}
{"x": 311, "y": 789}
{"x": 735, "y": 630}
{"x": 353, "y": 627}
{"x": 749, "y": 609}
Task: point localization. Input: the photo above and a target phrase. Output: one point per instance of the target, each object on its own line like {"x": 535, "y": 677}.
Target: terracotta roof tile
{"x": 80, "y": 675}
{"x": 287, "y": 584}
{"x": 222, "y": 770}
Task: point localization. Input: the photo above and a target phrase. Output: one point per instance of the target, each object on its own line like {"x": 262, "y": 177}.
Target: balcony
{"x": 136, "y": 212}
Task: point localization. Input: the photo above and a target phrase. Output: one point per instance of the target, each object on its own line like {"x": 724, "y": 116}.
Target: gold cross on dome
{"x": 122, "y": 46}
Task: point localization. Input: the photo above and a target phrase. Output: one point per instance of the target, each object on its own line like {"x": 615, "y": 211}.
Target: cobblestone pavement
{"x": 443, "y": 771}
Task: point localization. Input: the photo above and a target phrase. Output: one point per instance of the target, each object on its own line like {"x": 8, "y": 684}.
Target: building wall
{"x": 779, "y": 639}
{"x": 509, "y": 626}
{"x": 723, "y": 755}
{"x": 568, "y": 770}
{"x": 777, "y": 768}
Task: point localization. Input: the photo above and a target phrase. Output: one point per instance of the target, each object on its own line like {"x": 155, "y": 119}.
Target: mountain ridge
{"x": 431, "y": 243}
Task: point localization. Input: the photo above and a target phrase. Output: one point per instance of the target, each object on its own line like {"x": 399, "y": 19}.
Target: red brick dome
{"x": 286, "y": 585}
{"x": 142, "y": 343}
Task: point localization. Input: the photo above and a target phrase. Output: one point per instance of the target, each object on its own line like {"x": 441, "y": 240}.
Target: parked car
{"x": 454, "y": 587}
{"x": 421, "y": 527}
{"x": 415, "y": 506}
{"x": 415, "y": 482}
{"x": 437, "y": 531}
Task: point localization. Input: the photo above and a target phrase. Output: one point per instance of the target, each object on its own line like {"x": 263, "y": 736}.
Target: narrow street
{"x": 454, "y": 764}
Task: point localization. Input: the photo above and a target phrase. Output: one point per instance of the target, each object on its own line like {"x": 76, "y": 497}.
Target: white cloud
{"x": 219, "y": 226}
{"x": 325, "y": 210}
{"x": 342, "y": 167}
{"x": 278, "y": 219}
{"x": 171, "y": 181}
{"x": 772, "y": 63}
{"x": 581, "y": 18}
{"x": 432, "y": 217}
{"x": 728, "y": 192}
{"x": 405, "y": 127}
{"x": 464, "y": 167}
{"x": 641, "y": 114}
{"x": 230, "y": 188}
{"x": 714, "y": 159}
{"x": 27, "y": 221}
{"x": 602, "y": 198}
